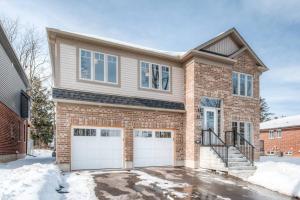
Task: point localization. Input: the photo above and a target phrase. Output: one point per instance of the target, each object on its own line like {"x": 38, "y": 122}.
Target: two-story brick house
{"x": 120, "y": 105}
{"x": 281, "y": 136}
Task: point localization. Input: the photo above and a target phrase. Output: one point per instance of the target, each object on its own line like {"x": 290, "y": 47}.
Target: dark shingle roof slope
{"x": 114, "y": 99}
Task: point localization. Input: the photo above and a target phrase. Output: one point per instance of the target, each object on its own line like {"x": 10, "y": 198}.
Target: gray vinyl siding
{"x": 11, "y": 83}
{"x": 226, "y": 47}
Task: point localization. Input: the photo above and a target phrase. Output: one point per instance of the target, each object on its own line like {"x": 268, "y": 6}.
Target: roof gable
{"x": 230, "y": 44}
{"x": 226, "y": 46}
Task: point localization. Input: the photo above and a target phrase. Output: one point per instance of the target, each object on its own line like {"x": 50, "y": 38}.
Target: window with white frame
{"x": 242, "y": 84}
{"x": 271, "y": 134}
{"x": 98, "y": 67}
{"x": 154, "y": 76}
{"x": 279, "y": 133}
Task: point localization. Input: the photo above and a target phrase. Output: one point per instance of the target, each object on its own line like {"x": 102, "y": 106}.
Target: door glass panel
{"x": 242, "y": 132}
{"x": 210, "y": 120}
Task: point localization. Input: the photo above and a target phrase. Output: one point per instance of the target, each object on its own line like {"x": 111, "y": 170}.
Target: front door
{"x": 211, "y": 119}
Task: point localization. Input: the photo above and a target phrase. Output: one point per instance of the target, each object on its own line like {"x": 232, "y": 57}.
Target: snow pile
{"x": 80, "y": 186}
{"x": 36, "y": 181}
{"x": 278, "y": 176}
{"x": 148, "y": 180}
{"x": 35, "y": 178}
{"x": 281, "y": 122}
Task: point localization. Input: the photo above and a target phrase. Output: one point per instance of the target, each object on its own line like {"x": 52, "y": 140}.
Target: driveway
{"x": 176, "y": 183}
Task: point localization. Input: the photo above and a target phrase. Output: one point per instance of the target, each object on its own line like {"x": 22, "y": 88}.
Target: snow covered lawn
{"x": 282, "y": 177}
{"x": 34, "y": 178}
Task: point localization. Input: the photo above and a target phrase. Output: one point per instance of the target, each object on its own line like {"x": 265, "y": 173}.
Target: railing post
{"x": 209, "y": 131}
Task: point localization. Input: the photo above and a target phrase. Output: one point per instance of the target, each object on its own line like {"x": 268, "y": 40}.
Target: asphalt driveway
{"x": 176, "y": 183}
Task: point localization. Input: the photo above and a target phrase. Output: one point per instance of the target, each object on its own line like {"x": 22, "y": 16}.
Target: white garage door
{"x": 152, "y": 148}
{"x": 94, "y": 148}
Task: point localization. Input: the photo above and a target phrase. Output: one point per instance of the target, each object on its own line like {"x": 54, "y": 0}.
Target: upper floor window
{"x": 154, "y": 76}
{"x": 98, "y": 66}
{"x": 275, "y": 134}
{"x": 279, "y": 133}
{"x": 242, "y": 84}
{"x": 271, "y": 134}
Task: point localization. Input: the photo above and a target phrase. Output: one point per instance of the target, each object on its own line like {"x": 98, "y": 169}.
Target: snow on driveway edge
{"x": 278, "y": 176}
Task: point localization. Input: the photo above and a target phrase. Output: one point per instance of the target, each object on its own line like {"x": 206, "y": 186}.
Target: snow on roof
{"x": 170, "y": 53}
{"x": 281, "y": 122}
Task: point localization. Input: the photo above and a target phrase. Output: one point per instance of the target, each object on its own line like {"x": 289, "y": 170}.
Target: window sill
{"x": 155, "y": 90}
{"x": 247, "y": 97}
{"x": 99, "y": 82}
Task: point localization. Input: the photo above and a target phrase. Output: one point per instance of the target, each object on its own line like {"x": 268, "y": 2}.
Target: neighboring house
{"x": 120, "y": 105}
{"x": 14, "y": 103}
{"x": 281, "y": 136}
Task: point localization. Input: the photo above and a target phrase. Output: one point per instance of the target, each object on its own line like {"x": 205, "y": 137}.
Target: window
{"x": 154, "y": 76}
{"x": 112, "y": 69}
{"x": 249, "y": 86}
{"x": 271, "y": 134}
{"x": 235, "y": 83}
{"x": 86, "y": 64}
{"x": 146, "y": 134}
{"x": 100, "y": 67}
{"x": 162, "y": 134}
{"x": 152, "y": 133}
{"x": 145, "y": 73}
{"x": 289, "y": 153}
{"x": 242, "y": 84}
{"x": 165, "y": 77}
{"x": 84, "y": 132}
{"x": 110, "y": 133}
{"x": 279, "y": 133}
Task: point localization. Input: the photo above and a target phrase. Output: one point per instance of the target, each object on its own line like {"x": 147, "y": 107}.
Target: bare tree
{"x": 29, "y": 46}
{"x": 11, "y": 27}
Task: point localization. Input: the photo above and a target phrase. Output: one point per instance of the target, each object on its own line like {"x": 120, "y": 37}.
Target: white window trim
{"x": 150, "y": 76}
{"x": 93, "y": 75}
{"x": 246, "y": 85}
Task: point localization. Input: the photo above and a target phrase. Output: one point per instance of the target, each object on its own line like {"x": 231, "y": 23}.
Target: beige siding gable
{"x": 225, "y": 46}
{"x": 129, "y": 84}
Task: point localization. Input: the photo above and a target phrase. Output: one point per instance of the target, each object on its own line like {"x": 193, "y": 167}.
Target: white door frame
{"x": 97, "y": 128}
{"x": 153, "y": 136}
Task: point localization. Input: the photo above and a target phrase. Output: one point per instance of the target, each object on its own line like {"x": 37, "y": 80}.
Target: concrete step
{"x": 237, "y": 159}
{"x": 235, "y": 155}
{"x": 233, "y": 164}
{"x": 242, "y": 167}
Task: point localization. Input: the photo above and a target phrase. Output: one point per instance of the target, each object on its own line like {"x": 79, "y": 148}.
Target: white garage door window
{"x": 96, "y": 148}
{"x": 153, "y": 148}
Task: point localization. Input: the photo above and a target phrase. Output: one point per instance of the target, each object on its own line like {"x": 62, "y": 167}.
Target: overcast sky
{"x": 271, "y": 27}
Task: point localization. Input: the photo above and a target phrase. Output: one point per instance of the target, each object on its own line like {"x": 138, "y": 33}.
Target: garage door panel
{"x": 152, "y": 151}
{"x": 96, "y": 149}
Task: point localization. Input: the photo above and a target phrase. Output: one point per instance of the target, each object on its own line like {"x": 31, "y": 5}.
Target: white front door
{"x": 210, "y": 119}
{"x": 152, "y": 148}
{"x": 96, "y": 148}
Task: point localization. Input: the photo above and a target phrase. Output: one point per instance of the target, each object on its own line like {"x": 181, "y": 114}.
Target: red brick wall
{"x": 12, "y": 135}
{"x": 211, "y": 79}
{"x": 68, "y": 115}
{"x": 290, "y": 141}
